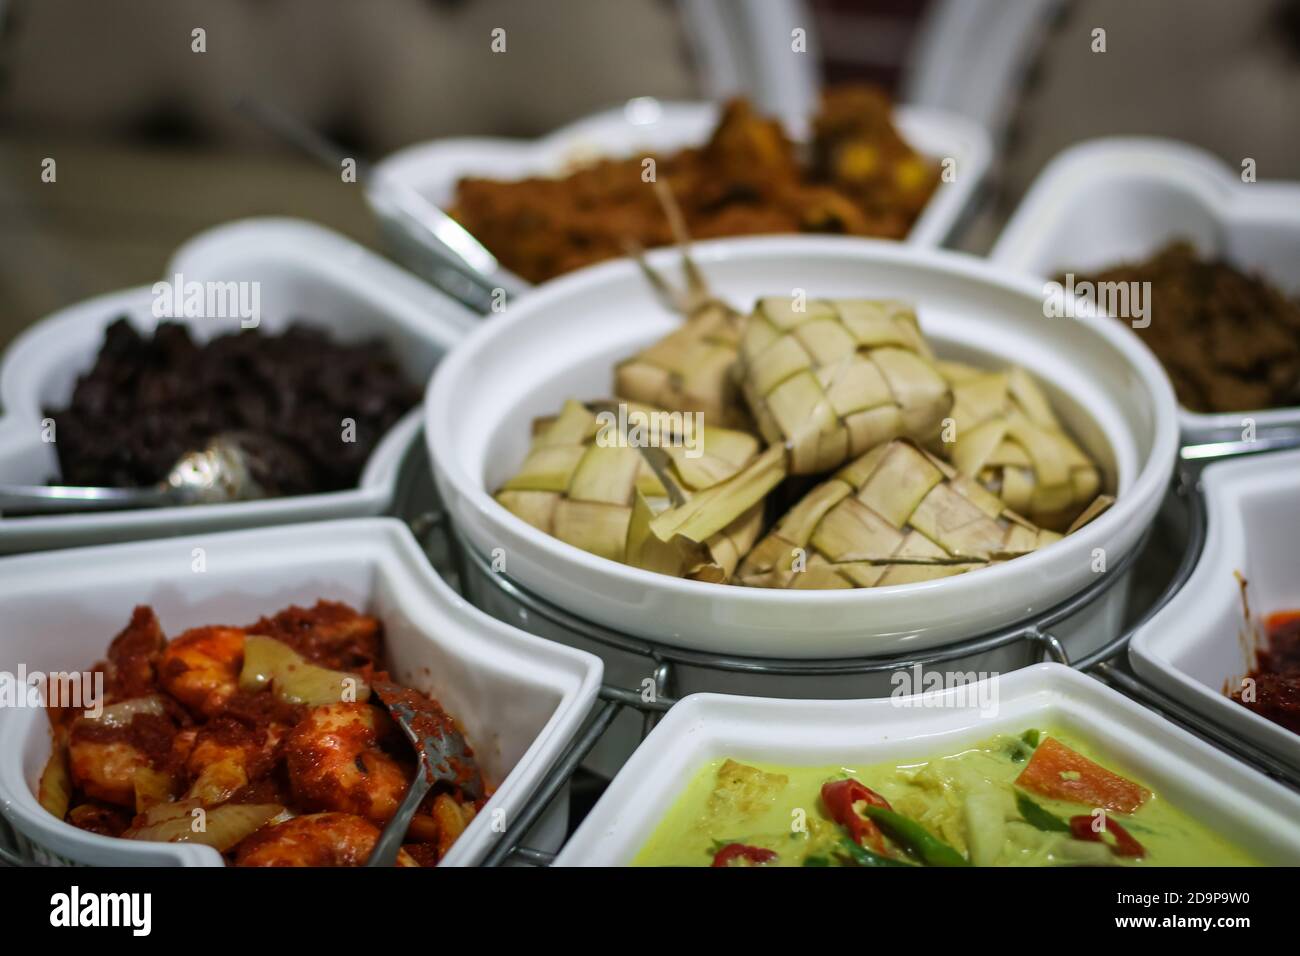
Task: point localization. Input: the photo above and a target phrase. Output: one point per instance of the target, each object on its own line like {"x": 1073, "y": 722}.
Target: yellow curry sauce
{"x": 981, "y": 806}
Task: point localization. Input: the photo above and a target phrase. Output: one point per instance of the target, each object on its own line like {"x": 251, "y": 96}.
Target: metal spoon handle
{"x": 465, "y": 266}
{"x": 390, "y": 841}
{"x": 299, "y": 134}
{"x": 1279, "y": 440}
{"x": 61, "y": 499}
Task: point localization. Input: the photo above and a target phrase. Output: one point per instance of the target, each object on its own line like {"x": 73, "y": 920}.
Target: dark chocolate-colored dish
{"x": 149, "y": 399}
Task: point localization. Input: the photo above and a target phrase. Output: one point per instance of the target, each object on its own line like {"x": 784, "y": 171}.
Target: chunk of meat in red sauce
{"x": 274, "y": 787}
{"x": 105, "y": 759}
{"x": 330, "y": 633}
{"x": 425, "y": 854}
{"x": 225, "y": 733}
{"x": 153, "y": 735}
{"x": 1277, "y": 676}
{"x": 325, "y": 778}
{"x": 131, "y": 668}
{"x": 263, "y": 707}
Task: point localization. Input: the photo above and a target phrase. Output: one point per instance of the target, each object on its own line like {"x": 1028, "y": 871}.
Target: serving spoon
{"x": 461, "y": 265}
{"x": 232, "y": 467}
{"x": 443, "y": 758}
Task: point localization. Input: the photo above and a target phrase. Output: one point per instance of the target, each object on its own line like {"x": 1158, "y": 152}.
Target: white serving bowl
{"x": 1248, "y": 809}
{"x": 305, "y": 272}
{"x": 519, "y": 698}
{"x": 563, "y": 339}
{"x": 1191, "y": 648}
{"x": 644, "y": 125}
{"x": 1114, "y": 200}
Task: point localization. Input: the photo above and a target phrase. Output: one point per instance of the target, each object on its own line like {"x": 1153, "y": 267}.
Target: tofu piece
{"x": 744, "y": 791}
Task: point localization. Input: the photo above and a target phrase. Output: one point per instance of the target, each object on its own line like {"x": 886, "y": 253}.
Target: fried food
{"x": 188, "y": 733}
{"x": 860, "y": 178}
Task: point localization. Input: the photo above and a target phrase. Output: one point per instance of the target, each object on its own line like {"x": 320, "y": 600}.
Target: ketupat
{"x": 591, "y": 488}
{"x": 895, "y": 515}
{"x": 827, "y": 382}
{"x": 690, "y": 369}
{"x": 1008, "y": 438}
{"x": 832, "y": 379}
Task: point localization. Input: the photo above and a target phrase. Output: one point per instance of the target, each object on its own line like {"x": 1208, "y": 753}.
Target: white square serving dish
{"x": 649, "y": 125}
{"x": 519, "y": 698}
{"x": 1260, "y": 816}
{"x": 1120, "y": 199}
{"x": 304, "y": 272}
{"x": 1191, "y": 648}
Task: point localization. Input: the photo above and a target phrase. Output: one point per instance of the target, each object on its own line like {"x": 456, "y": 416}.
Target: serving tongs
{"x": 461, "y": 265}
{"x": 443, "y": 758}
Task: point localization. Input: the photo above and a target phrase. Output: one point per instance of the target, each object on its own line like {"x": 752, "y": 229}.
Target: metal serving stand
{"x": 1104, "y": 663}
{"x": 416, "y": 504}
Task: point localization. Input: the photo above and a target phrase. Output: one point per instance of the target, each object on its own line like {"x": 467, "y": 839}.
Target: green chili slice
{"x": 928, "y": 848}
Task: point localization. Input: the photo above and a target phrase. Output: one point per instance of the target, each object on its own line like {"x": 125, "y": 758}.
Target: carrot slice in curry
{"x": 1060, "y": 773}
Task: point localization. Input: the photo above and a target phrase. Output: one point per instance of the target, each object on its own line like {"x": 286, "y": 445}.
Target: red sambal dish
{"x": 264, "y": 742}
{"x": 1272, "y": 688}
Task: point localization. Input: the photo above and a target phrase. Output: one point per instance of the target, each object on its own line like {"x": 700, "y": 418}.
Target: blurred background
{"x": 149, "y": 150}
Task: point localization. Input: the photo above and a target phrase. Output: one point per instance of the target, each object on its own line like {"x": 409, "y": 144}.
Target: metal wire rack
{"x": 1101, "y": 663}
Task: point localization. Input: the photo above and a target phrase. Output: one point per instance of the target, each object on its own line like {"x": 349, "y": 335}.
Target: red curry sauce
{"x": 1276, "y": 675}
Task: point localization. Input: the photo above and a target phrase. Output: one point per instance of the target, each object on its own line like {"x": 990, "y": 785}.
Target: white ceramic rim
{"x": 1196, "y": 171}
{"x": 1227, "y": 485}
{"x": 405, "y": 302}
{"x": 1144, "y": 493}
{"x": 395, "y": 550}
{"x": 820, "y": 732}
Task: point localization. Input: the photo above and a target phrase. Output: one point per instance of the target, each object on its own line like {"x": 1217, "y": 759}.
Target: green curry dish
{"x": 1036, "y": 816}
{"x": 915, "y": 838}
{"x": 1022, "y": 748}
{"x": 1015, "y": 800}
{"x": 860, "y": 856}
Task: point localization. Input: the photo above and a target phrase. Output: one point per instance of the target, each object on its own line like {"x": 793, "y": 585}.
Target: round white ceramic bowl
{"x": 563, "y": 340}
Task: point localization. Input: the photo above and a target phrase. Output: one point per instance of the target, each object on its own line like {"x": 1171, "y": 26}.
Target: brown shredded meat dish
{"x": 1229, "y": 340}
{"x": 261, "y": 741}
{"x": 857, "y": 176}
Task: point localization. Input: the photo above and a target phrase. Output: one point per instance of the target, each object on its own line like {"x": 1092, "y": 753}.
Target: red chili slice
{"x": 840, "y": 797}
{"x": 1125, "y": 843}
{"x": 738, "y": 854}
